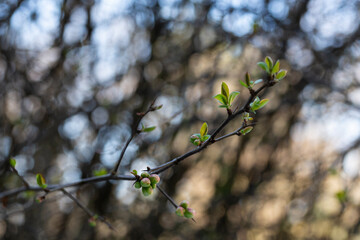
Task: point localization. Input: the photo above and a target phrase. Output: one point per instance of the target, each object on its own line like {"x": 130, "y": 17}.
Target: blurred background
{"x": 73, "y": 74}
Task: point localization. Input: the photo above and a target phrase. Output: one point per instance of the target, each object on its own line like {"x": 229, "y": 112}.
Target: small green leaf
{"x": 233, "y": 96}
{"x": 221, "y": 98}
{"x": 204, "y": 129}
{"x": 276, "y": 67}
{"x": 263, "y": 103}
{"x": 269, "y": 62}
{"x": 244, "y": 84}
{"x": 41, "y": 180}
{"x": 134, "y": 172}
{"x": 258, "y": 81}
{"x": 263, "y": 66}
{"x": 247, "y": 78}
{"x": 246, "y": 130}
{"x": 204, "y": 138}
{"x": 100, "y": 172}
{"x": 149, "y": 129}
{"x": 225, "y": 90}
{"x": 12, "y": 162}
{"x": 158, "y": 107}
{"x": 281, "y": 74}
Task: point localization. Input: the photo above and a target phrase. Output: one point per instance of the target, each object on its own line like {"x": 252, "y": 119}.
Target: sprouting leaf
{"x": 100, "y": 172}
{"x": 258, "y": 81}
{"x": 276, "y": 67}
{"x": 204, "y": 129}
{"x": 12, "y": 162}
{"x": 134, "y": 172}
{"x": 243, "y": 84}
{"x": 246, "y": 130}
{"x": 247, "y": 79}
{"x": 41, "y": 180}
{"x": 233, "y": 96}
{"x": 263, "y": 66}
{"x": 149, "y": 129}
{"x": 158, "y": 107}
{"x": 221, "y": 98}
{"x": 223, "y": 106}
{"x": 225, "y": 90}
{"x": 205, "y": 137}
{"x": 281, "y": 74}
{"x": 263, "y": 102}
{"x": 269, "y": 62}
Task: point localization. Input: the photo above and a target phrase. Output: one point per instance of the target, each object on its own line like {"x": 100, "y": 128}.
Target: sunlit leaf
{"x": 243, "y": 84}
{"x": 149, "y": 129}
{"x": 246, "y": 130}
{"x": 263, "y": 66}
{"x": 263, "y": 102}
{"x": 225, "y": 90}
{"x": 221, "y": 98}
{"x": 233, "y": 96}
{"x": 41, "y": 180}
{"x": 341, "y": 196}
{"x": 100, "y": 172}
{"x": 204, "y": 129}
{"x": 276, "y": 67}
{"x": 269, "y": 62}
{"x": 281, "y": 74}
{"x": 12, "y": 162}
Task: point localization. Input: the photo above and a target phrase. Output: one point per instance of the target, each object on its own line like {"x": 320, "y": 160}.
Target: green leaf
{"x": 158, "y": 107}
{"x": 204, "y": 129}
{"x": 263, "y": 103}
{"x": 41, "y": 180}
{"x": 258, "y": 81}
{"x": 233, "y": 96}
{"x": 223, "y": 106}
{"x": 12, "y": 162}
{"x": 205, "y": 137}
{"x": 134, "y": 172}
{"x": 263, "y": 66}
{"x": 269, "y": 62}
{"x": 149, "y": 129}
{"x": 276, "y": 67}
{"x": 281, "y": 74}
{"x": 244, "y": 84}
{"x": 246, "y": 130}
{"x": 100, "y": 172}
{"x": 225, "y": 90}
{"x": 221, "y": 98}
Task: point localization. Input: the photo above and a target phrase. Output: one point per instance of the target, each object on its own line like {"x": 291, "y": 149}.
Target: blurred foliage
{"x": 73, "y": 75}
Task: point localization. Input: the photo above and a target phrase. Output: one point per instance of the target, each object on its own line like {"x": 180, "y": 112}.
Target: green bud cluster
{"x": 147, "y": 183}
{"x": 183, "y": 210}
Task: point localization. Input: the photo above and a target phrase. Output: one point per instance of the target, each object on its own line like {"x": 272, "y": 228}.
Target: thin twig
{"x": 26, "y": 184}
{"x": 87, "y": 210}
{"x": 134, "y": 132}
{"x": 167, "y": 196}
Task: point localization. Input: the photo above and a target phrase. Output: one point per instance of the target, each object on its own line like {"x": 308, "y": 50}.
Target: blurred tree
{"x": 73, "y": 75}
